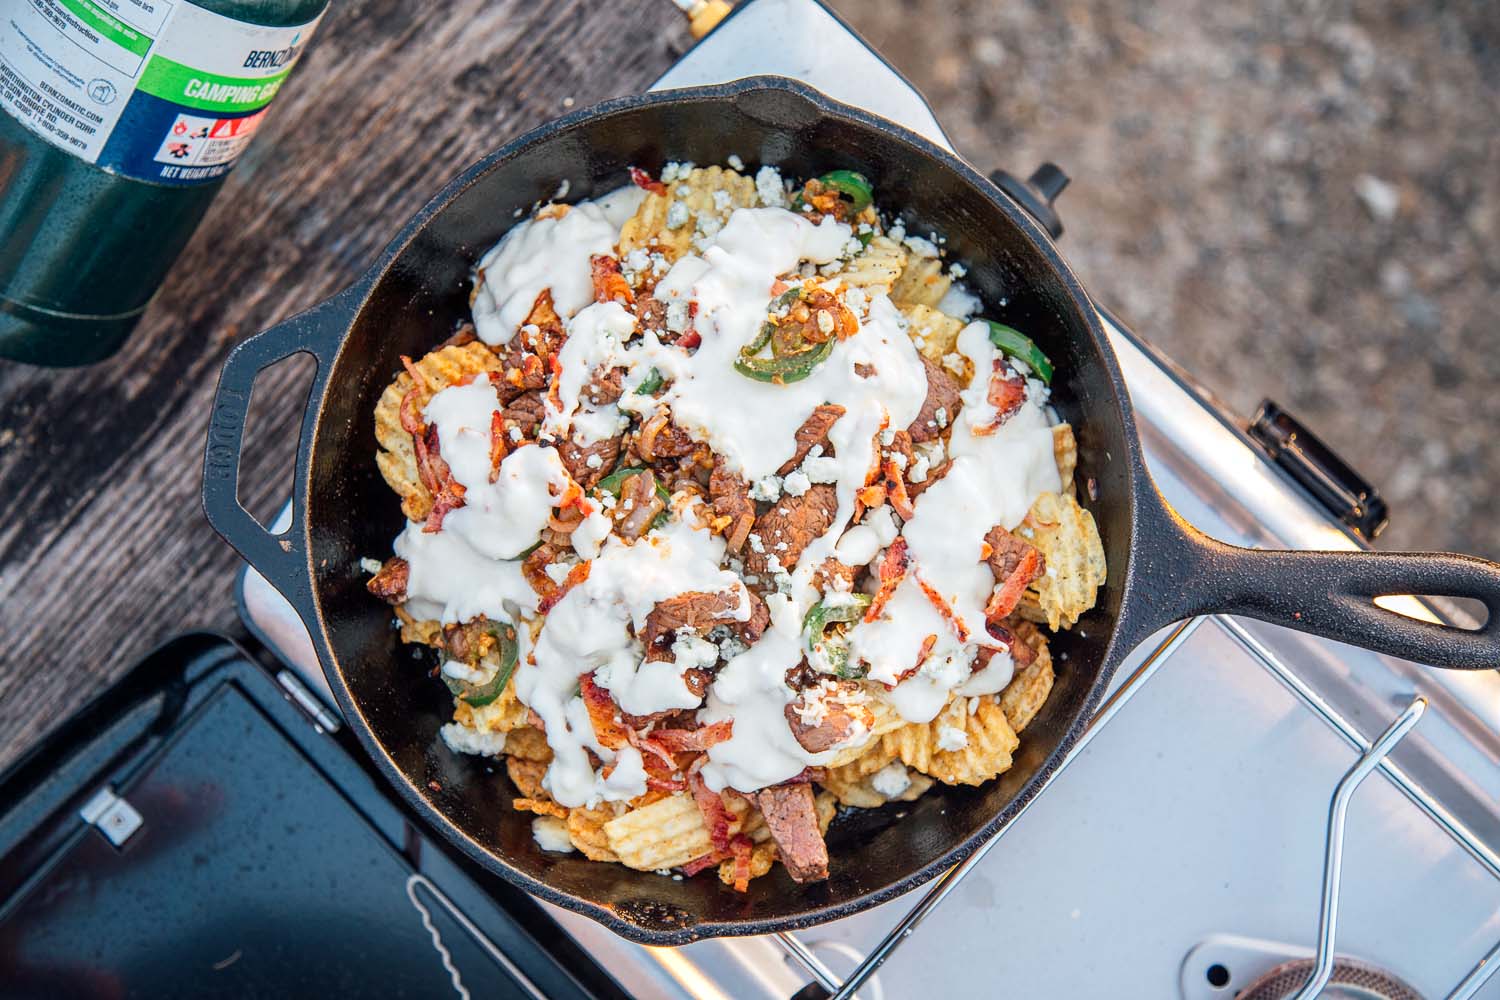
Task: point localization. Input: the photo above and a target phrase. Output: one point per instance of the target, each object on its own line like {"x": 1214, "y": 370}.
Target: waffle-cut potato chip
{"x": 586, "y": 831}
{"x": 987, "y": 754}
{"x": 648, "y": 228}
{"x": 853, "y": 785}
{"x": 526, "y": 775}
{"x": 922, "y": 283}
{"x": 885, "y": 719}
{"x": 397, "y": 458}
{"x": 876, "y": 268}
{"x": 1065, "y": 453}
{"x": 936, "y": 335}
{"x": 848, "y": 782}
{"x": 1029, "y": 688}
{"x": 1069, "y": 541}
{"x": 752, "y": 823}
{"x": 426, "y": 632}
{"x": 542, "y": 807}
{"x": 504, "y": 714}
{"x": 666, "y": 834}
{"x": 528, "y": 743}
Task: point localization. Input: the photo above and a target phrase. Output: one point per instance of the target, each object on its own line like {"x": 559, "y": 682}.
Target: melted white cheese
{"x": 596, "y": 338}
{"x": 451, "y": 582}
{"x": 536, "y": 254}
{"x": 751, "y": 689}
{"x": 994, "y": 479}
{"x": 502, "y": 519}
{"x": 587, "y": 632}
{"x": 551, "y": 834}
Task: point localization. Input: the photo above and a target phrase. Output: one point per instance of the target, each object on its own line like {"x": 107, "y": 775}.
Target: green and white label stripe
{"x": 108, "y": 26}
{"x": 195, "y": 88}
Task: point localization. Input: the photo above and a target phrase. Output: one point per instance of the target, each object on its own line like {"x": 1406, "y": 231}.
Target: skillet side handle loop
{"x": 280, "y": 558}
{"x": 1331, "y": 594}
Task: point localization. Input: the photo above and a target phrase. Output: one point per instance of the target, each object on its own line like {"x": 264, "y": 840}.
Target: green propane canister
{"x": 118, "y": 122}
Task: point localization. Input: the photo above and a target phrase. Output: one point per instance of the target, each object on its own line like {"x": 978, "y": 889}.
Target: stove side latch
{"x": 1346, "y": 494}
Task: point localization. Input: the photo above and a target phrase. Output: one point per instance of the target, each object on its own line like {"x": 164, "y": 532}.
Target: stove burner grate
{"x": 1351, "y": 980}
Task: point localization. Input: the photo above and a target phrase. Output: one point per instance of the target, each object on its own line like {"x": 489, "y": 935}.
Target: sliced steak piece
{"x": 1015, "y": 563}
{"x": 525, "y": 413}
{"x": 790, "y": 526}
{"x": 696, "y": 610}
{"x": 576, "y": 459}
{"x": 934, "y": 473}
{"x": 942, "y": 394}
{"x": 389, "y": 584}
{"x": 814, "y": 430}
{"x": 755, "y": 626}
{"x": 605, "y": 387}
{"x": 793, "y": 821}
{"x": 839, "y": 720}
{"x": 833, "y": 575}
{"x": 660, "y": 438}
{"x": 730, "y": 496}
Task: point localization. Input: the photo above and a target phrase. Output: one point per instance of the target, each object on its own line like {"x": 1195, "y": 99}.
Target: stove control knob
{"x": 1036, "y": 193}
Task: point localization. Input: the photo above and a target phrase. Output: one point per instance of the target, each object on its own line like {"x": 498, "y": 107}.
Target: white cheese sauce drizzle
{"x": 994, "y": 479}
{"x": 587, "y": 632}
{"x": 550, "y": 252}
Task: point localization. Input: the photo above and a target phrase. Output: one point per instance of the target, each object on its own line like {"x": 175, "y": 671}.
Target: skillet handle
{"x": 281, "y": 558}
{"x": 1184, "y": 573}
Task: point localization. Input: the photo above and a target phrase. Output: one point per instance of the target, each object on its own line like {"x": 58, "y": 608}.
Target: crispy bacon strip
{"x": 643, "y": 180}
{"x": 682, "y": 740}
{"x": 417, "y": 378}
{"x": 498, "y": 447}
{"x": 603, "y": 713}
{"x": 447, "y": 493}
{"x": 945, "y": 609}
{"x": 742, "y": 846}
{"x": 892, "y": 569}
{"x": 895, "y": 491}
{"x": 649, "y": 745}
{"x": 576, "y": 575}
{"x": 447, "y": 500}
{"x": 711, "y": 804}
{"x": 609, "y": 284}
{"x": 704, "y": 863}
{"x": 1015, "y": 563}
{"x": 554, "y": 389}
{"x": 867, "y": 496}
{"x": 1006, "y": 393}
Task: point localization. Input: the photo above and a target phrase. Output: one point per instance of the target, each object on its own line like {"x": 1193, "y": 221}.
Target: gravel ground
{"x": 1293, "y": 200}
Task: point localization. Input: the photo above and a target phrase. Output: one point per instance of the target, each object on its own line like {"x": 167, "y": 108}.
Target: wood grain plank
{"x": 104, "y": 551}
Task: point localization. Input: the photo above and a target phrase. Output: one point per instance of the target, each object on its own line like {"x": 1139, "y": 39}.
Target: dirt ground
{"x": 1295, "y": 200}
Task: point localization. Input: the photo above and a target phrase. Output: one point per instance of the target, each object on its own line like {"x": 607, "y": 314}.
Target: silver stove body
{"x": 1188, "y": 831}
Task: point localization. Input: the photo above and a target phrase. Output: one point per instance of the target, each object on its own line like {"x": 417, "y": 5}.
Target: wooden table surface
{"x": 104, "y": 551}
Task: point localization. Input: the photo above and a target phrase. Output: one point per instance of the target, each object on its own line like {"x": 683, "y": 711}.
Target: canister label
{"x": 159, "y": 90}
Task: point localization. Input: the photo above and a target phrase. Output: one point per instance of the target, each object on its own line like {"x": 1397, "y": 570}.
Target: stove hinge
{"x": 112, "y": 816}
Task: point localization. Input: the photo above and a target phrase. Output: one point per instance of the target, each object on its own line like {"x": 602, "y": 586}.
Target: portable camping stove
{"x": 1205, "y": 838}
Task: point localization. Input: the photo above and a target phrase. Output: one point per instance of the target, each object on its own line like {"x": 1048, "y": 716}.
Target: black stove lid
{"x": 266, "y": 862}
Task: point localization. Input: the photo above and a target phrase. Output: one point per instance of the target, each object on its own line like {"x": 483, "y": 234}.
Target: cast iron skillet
{"x": 1160, "y": 568}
